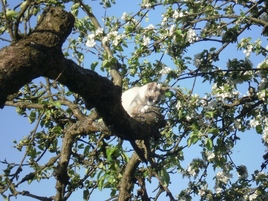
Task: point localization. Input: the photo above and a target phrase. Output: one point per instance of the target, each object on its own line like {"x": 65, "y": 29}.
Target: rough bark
{"x": 128, "y": 178}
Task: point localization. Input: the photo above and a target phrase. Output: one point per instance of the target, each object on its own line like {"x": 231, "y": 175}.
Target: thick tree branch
{"x": 40, "y": 55}
{"x": 127, "y": 181}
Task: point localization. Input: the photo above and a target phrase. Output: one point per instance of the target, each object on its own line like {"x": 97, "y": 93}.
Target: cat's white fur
{"x": 138, "y": 99}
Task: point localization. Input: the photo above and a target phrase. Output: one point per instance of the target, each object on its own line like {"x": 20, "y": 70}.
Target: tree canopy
{"x": 66, "y": 64}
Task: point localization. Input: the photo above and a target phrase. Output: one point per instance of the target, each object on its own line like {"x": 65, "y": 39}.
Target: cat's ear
{"x": 152, "y": 85}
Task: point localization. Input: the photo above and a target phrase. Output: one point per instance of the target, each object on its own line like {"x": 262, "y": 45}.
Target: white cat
{"x": 138, "y": 99}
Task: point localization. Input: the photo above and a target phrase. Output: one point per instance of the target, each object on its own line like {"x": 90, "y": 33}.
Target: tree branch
{"x": 40, "y": 54}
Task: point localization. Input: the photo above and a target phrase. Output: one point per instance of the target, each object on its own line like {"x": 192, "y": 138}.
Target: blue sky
{"x": 248, "y": 151}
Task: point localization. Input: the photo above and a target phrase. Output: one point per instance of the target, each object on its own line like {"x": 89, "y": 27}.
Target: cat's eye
{"x": 151, "y": 99}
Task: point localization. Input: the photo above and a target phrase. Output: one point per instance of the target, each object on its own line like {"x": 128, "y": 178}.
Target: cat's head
{"x": 154, "y": 93}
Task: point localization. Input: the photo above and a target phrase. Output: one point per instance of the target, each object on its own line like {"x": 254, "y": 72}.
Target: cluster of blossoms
{"x": 254, "y": 123}
{"x": 250, "y": 47}
{"x": 210, "y": 155}
{"x": 265, "y": 131}
{"x": 124, "y": 16}
{"x": 129, "y": 19}
{"x": 164, "y": 20}
{"x": 146, "y": 41}
{"x": 251, "y": 197}
{"x": 171, "y": 30}
{"x": 261, "y": 65}
{"x": 150, "y": 27}
{"x": 222, "y": 177}
{"x": 91, "y": 37}
{"x": 191, "y": 36}
{"x": 113, "y": 36}
{"x": 261, "y": 120}
{"x": 191, "y": 170}
{"x": 224, "y": 92}
{"x": 165, "y": 70}
{"x": 90, "y": 40}
{"x": 177, "y": 14}
{"x": 248, "y": 50}
{"x": 262, "y": 89}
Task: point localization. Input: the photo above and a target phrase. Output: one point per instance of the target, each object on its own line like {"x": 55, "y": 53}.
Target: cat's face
{"x": 153, "y": 93}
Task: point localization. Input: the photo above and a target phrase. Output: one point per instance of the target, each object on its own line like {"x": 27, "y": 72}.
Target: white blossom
{"x": 150, "y": 27}
{"x": 178, "y": 105}
{"x": 260, "y": 176}
{"x": 171, "y": 30}
{"x": 237, "y": 123}
{"x": 99, "y": 31}
{"x": 210, "y": 155}
{"x": 212, "y": 105}
{"x": 191, "y": 36}
{"x": 188, "y": 118}
{"x": 177, "y": 14}
{"x": 248, "y": 50}
{"x": 164, "y": 20}
{"x": 197, "y": 60}
{"x": 262, "y": 94}
{"x": 263, "y": 62}
{"x": 117, "y": 40}
{"x": 104, "y": 40}
{"x": 253, "y": 196}
{"x": 124, "y": 16}
{"x": 258, "y": 42}
{"x": 113, "y": 33}
{"x": 90, "y": 40}
{"x": 223, "y": 177}
{"x": 191, "y": 170}
{"x": 265, "y": 134}
{"x": 90, "y": 43}
{"x": 253, "y": 123}
{"x": 146, "y": 41}
{"x": 147, "y": 6}
{"x": 260, "y": 66}
{"x": 218, "y": 189}
{"x": 165, "y": 70}
{"x": 263, "y": 83}
{"x": 201, "y": 192}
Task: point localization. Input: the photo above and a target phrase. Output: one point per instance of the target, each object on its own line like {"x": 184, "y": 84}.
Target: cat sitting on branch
{"x": 138, "y": 100}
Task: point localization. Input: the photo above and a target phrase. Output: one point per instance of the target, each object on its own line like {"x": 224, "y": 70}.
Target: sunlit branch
{"x": 114, "y": 64}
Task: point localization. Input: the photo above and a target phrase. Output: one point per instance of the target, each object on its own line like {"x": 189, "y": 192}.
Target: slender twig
{"x": 8, "y": 22}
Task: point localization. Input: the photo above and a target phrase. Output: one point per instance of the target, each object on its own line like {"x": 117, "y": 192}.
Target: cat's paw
{"x": 144, "y": 108}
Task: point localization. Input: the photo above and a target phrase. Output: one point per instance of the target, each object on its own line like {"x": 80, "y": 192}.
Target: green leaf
{"x": 101, "y": 182}
{"x": 111, "y": 153}
{"x": 94, "y": 65}
{"x": 209, "y": 144}
{"x": 86, "y": 150}
{"x": 86, "y": 194}
{"x": 192, "y": 139}
{"x": 11, "y": 14}
{"x": 259, "y": 129}
{"x": 214, "y": 131}
{"x": 164, "y": 176}
{"x": 57, "y": 104}
{"x": 32, "y": 116}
